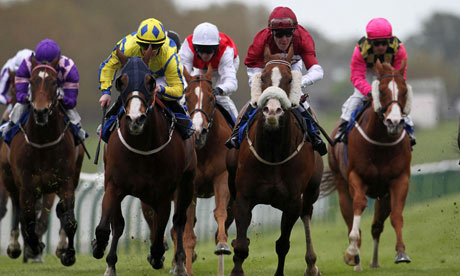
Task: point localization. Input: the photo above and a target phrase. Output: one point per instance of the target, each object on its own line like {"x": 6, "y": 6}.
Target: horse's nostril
{"x": 265, "y": 109}
{"x": 279, "y": 111}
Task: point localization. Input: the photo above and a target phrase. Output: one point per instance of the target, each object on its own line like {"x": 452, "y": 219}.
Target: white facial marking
{"x": 394, "y": 90}
{"x": 197, "y": 117}
{"x": 395, "y": 114}
{"x": 276, "y": 76}
{"x": 43, "y": 74}
{"x": 135, "y": 107}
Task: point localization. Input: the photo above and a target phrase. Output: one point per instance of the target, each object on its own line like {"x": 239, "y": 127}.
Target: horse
{"x": 376, "y": 163}
{"x": 43, "y": 206}
{"x": 147, "y": 159}
{"x": 42, "y": 159}
{"x": 275, "y": 164}
{"x": 211, "y": 132}
{"x": 458, "y": 137}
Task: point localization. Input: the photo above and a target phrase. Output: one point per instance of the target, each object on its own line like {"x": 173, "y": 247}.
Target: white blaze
{"x": 135, "y": 107}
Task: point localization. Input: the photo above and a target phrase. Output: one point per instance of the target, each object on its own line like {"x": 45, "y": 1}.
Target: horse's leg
{"x": 221, "y": 196}
{"x": 358, "y": 193}
{"x": 118, "y": 224}
{"x": 243, "y": 214}
{"x": 3, "y": 200}
{"x": 310, "y": 256}
{"x": 27, "y": 199}
{"x": 398, "y": 194}
{"x": 381, "y": 212}
{"x": 66, "y": 215}
{"x": 157, "y": 222}
{"x": 288, "y": 219}
{"x": 14, "y": 247}
{"x": 184, "y": 198}
{"x": 189, "y": 238}
{"x": 109, "y": 202}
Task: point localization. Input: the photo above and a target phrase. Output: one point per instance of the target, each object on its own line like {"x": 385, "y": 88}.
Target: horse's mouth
{"x": 200, "y": 140}
{"x": 135, "y": 129}
{"x": 394, "y": 130}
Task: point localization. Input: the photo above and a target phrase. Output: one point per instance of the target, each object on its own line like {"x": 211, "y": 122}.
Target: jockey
{"x": 11, "y": 65}
{"x": 207, "y": 46}
{"x": 46, "y": 51}
{"x": 282, "y": 31}
{"x": 379, "y": 44}
{"x": 165, "y": 65}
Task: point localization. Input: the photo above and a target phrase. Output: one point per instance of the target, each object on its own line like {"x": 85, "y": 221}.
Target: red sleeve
{"x": 307, "y": 47}
{"x": 255, "y": 55}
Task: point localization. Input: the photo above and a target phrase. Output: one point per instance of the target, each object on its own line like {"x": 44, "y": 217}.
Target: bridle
{"x": 41, "y": 90}
{"x": 209, "y": 118}
{"x": 384, "y": 109}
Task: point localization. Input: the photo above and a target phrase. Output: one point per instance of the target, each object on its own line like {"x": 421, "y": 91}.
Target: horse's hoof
{"x": 222, "y": 249}
{"x": 68, "y": 257}
{"x": 59, "y": 252}
{"x": 351, "y": 260}
{"x": 180, "y": 271}
{"x": 402, "y": 258}
{"x": 98, "y": 251}
{"x": 13, "y": 253}
{"x": 156, "y": 264}
{"x": 313, "y": 272}
{"x": 110, "y": 271}
{"x": 194, "y": 256}
{"x": 37, "y": 259}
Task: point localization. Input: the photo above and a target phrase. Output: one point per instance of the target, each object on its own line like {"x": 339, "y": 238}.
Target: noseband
{"x": 209, "y": 118}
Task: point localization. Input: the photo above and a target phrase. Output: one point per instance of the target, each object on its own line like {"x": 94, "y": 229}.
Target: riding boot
{"x": 313, "y": 133}
{"x": 183, "y": 121}
{"x": 410, "y": 132}
{"x": 6, "y": 127}
{"x": 233, "y": 141}
{"x": 114, "y": 108}
{"x": 339, "y": 137}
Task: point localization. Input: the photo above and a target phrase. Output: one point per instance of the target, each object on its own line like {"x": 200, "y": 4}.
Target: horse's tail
{"x": 327, "y": 185}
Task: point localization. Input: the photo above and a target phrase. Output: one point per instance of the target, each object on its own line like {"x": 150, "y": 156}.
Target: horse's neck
{"x": 155, "y": 130}
{"x": 275, "y": 145}
{"x": 373, "y": 125}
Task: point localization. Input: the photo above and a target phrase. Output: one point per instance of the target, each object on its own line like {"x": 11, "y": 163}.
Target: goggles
{"x": 283, "y": 32}
{"x": 145, "y": 46}
{"x": 378, "y": 42}
{"x": 280, "y": 23}
{"x": 205, "y": 49}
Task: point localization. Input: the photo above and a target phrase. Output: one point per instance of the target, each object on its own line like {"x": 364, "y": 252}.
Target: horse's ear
{"x": 33, "y": 60}
{"x": 121, "y": 82}
{"x": 147, "y": 55}
{"x": 187, "y": 75}
{"x": 150, "y": 82}
{"x": 123, "y": 59}
{"x": 54, "y": 62}
{"x": 267, "y": 53}
{"x": 403, "y": 66}
{"x": 378, "y": 68}
{"x": 209, "y": 72}
{"x": 290, "y": 53}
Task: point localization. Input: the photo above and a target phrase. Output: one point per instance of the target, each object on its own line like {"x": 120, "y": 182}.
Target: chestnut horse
{"x": 147, "y": 159}
{"x": 275, "y": 164}
{"x": 378, "y": 165}
{"x": 43, "y": 206}
{"x": 43, "y": 159}
{"x": 211, "y": 132}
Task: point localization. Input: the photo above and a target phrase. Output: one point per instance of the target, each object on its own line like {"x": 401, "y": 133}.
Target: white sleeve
{"x": 251, "y": 71}
{"x": 226, "y": 73}
{"x": 297, "y": 66}
{"x": 186, "y": 56}
{"x": 314, "y": 74}
{"x": 4, "y": 77}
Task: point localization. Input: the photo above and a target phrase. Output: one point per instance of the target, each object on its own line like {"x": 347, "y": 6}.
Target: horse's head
{"x": 202, "y": 103}
{"x": 277, "y": 88}
{"x": 43, "y": 89}
{"x": 136, "y": 85}
{"x": 391, "y": 96}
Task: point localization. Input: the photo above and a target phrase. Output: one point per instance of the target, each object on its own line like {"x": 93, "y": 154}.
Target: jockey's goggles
{"x": 205, "y": 49}
{"x": 283, "y": 32}
{"x": 145, "y": 46}
{"x": 378, "y": 42}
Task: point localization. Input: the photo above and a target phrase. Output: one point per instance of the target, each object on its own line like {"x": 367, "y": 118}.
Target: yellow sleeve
{"x": 109, "y": 67}
{"x": 173, "y": 76}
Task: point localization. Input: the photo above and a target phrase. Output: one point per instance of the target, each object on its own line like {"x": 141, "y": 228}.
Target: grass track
{"x": 431, "y": 234}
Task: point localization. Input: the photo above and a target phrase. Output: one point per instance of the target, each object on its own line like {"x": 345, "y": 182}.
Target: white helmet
{"x": 206, "y": 34}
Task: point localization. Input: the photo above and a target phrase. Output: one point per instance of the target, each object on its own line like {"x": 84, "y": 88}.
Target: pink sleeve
{"x": 358, "y": 73}
{"x": 400, "y": 56}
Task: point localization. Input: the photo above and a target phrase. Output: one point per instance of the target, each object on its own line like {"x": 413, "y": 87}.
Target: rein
{"x": 278, "y": 61}
{"x": 46, "y": 145}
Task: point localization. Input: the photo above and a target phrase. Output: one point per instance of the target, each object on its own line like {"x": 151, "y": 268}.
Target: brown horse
{"x": 211, "y": 131}
{"x": 147, "y": 159}
{"x": 275, "y": 164}
{"x": 43, "y": 159}
{"x": 43, "y": 206}
{"x": 378, "y": 165}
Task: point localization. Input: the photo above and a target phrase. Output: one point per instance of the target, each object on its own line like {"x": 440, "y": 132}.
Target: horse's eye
{"x": 290, "y": 80}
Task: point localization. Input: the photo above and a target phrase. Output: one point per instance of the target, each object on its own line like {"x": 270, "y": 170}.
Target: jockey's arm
{"x": 174, "y": 79}
{"x": 314, "y": 71}
{"x": 358, "y": 73}
{"x": 252, "y": 71}
{"x": 70, "y": 87}
{"x": 186, "y": 57}
{"x": 4, "y": 85}
{"x": 22, "y": 82}
{"x": 227, "y": 80}
{"x": 107, "y": 72}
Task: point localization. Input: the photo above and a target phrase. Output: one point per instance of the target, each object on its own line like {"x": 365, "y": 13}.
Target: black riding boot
{"x": 233, "y": 142}
{"x": 341, "y": 132}
{"x": 114, "y": 108}
{"x": 316, "y": 141}
{"x": 183, "y": 121}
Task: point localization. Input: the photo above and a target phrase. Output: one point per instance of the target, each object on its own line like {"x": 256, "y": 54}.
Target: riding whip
{"x": 96, "y": 158}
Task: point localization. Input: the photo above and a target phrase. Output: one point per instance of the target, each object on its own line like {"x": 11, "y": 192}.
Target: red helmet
{"x": 282, "y": 18}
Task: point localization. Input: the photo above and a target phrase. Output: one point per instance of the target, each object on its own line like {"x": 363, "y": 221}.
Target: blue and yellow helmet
{"x": 151, "y": 31}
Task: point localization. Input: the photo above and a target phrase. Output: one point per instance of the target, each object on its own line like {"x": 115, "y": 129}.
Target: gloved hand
{"x": 217, "y": 91}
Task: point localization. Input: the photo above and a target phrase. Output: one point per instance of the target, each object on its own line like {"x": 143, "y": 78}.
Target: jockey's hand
{"x": 159, "y": 89}
{"x": 104, "y": 100}
{"x": 303, "y": 98}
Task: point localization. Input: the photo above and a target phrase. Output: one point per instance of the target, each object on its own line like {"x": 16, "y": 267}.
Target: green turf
{"x": 431, "y": 234}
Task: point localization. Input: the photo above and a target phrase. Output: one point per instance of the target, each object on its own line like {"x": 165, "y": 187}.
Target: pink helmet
{"x": 379, "y": 28}
{"x": 282, "y": 18}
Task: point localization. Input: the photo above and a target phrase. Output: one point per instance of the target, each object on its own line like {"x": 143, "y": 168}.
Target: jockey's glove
{"x": 217, "y": 91}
